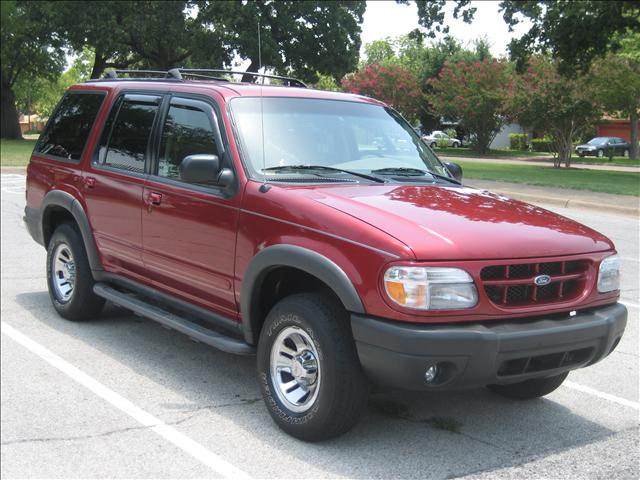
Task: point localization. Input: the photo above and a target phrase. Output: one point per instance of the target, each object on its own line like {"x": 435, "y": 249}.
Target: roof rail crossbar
{"x": 292, "y": 81}
{"x": 179, "y": 73}
{"x": 116, "y": 73}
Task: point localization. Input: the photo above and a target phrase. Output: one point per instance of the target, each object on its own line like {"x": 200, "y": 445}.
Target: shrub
{"x": 442, "y": 143}
{"x": 518, "y": 141}
{"x": 542, "y": 145}
{"x": 451, "y": 132}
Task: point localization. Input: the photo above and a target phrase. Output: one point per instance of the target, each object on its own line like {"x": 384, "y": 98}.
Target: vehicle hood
{"x": 460, "y": 223}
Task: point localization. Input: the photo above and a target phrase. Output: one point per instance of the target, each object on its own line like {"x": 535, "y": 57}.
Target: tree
{"x": 547, "y": 101}
{"x": 394, "y": 85}
{"x": 616, "y": 87}
{"x": 298, "y": 38}
{"x": 476, "y": 94}
{"x": 28, "y": 49}
{"x": 574, "y": 33}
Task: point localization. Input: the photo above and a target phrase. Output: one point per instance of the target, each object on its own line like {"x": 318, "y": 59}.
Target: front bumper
{"x": 587, "y": 153}
{"x": 397, "y": 354}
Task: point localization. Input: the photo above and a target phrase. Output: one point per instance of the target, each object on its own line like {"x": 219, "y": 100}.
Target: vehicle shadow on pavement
{"x": 401, "y": 435}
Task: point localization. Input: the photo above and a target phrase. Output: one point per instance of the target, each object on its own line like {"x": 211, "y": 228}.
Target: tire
{"x": 455, "y": 145}
{"x": 67, "y": 248}
{"x": 534, "y": 388}
{"x": 317, "y": 327}
{"x": 626, "y": 154}
{"x": 433, "y": 145}
{"x": 581, "y": 155}
{"x": 600, "y": 153}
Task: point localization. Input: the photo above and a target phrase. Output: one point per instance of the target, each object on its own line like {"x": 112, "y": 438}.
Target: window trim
{"x": 116, "y": 105}
{"x": 219, "y": 133}
{"x": 103, "y": 94}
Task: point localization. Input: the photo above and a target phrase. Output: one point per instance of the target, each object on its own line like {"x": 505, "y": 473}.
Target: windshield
{"x": 597, "y": 141}
{"x": 353, "y": 136}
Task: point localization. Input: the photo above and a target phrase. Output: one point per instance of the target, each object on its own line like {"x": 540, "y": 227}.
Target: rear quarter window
{"x": 68, "y": 129}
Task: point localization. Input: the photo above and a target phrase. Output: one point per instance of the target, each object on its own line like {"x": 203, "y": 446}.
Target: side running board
{"x": 193, "y": 330}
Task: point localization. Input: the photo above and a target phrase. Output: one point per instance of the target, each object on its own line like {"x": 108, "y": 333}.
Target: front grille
{"x": 514, "y": 286}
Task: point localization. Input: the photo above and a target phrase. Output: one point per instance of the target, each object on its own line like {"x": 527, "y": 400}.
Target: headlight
{"x": 609, "y": 274}
{"x": 430, "y": 288}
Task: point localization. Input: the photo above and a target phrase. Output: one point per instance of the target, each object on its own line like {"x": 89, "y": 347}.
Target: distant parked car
{"x": 604, "y": 147}
{"x": 437, "y": 136}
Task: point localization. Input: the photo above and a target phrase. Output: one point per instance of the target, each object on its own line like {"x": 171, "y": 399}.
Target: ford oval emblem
{"x": 542, "y": 280}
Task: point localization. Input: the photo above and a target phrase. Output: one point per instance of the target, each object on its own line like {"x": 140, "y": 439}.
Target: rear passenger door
{"x": 114, "y": 183}
{"x": 189, "y": 230}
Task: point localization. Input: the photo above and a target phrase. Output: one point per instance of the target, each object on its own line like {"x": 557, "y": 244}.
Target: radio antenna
{"x": 264, "y": 188}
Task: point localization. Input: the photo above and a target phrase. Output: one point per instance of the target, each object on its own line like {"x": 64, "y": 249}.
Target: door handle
{"x": 90, "y": 182}
{"x": 155, "y": 198}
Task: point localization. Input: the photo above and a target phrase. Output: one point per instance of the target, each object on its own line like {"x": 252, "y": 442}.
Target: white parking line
{"x": 220, "y": 466}
{"x": 629, "y": 304}
{"x": 605, "y": 396}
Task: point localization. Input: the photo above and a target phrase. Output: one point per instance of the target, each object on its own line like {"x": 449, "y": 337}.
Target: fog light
{"x": 431, "y": 374}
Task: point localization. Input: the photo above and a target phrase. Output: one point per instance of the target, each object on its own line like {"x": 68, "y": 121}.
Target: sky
{"x": 385, "y": 18}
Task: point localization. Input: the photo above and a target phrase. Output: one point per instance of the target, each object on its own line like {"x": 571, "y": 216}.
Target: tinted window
{"x": 69, "y": 127}
{"x": 126, "y": 135}
{"x": 187, "y": 131}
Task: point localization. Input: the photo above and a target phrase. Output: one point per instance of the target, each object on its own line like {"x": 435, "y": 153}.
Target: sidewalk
{"x": 544, "y": 163}
{"x": 568, "y": 198}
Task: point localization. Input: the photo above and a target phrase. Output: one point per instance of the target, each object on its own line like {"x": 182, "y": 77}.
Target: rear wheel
{"x": 433, "y": 145}
{"x": 69, "y": 276}
{"x": 600, "y": 153}
{"x": 626, "y": 154}
{"x": 310, "y": 375}
{"x": 534, "y": 388}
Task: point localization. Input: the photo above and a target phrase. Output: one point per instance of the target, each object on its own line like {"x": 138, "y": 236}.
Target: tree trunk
{"x": 99, "y": 64}
{"x": 633, "y": 152}
{"x": 9, "y": 121}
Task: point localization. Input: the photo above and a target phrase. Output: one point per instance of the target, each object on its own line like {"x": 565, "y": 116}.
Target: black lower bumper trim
{"x": 397, "y": 354}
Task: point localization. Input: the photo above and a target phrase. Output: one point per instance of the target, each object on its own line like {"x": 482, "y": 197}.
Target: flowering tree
{"x": 392, "y": 84}
{"x": 560, "y": 106}
{"x": 478, "y": 95}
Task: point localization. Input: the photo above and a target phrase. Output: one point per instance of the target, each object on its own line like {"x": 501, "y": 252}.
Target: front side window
{"x": 188, "y": 130}
{"x": 346, "y": 135}
{"x": 125, "y": 138}
{"x": 67, "y": 131}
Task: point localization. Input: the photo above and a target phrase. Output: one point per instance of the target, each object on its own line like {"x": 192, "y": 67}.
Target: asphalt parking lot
{"x": 121, "y": 397}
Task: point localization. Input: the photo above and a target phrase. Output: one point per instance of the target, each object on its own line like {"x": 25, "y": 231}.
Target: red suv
{"x": 316, "y": 230}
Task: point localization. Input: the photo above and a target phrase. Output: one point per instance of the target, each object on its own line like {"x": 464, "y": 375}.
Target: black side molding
{"x": 193, "y": 330}
{"x": 301, "y": 258}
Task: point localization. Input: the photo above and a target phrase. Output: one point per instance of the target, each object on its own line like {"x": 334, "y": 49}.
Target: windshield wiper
{"x": 413, "y": 172}
{"x": 281, "y": 168}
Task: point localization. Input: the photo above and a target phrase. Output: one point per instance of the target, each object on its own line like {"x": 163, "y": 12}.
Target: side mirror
{"x": 205, "y": 168}
{"x": 455, "y": 170}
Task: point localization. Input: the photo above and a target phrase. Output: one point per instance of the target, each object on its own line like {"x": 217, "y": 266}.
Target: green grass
{"x": 15, "y": 153}
{"x": 605, "y": 161}
{"x": 623, "y": 183}
{"x": 501, "y": 153}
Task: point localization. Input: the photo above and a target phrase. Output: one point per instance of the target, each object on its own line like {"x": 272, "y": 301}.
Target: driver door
{"x": 189, "y": 229}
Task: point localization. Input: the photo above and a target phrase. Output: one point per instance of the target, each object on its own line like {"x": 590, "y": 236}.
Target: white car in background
{"x": 436, "y": 137}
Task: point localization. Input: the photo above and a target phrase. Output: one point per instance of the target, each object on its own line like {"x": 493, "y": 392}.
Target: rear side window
{"x": 125, "y": 139}
{"x": 188, "y": 130}
{"x": 67, "y": 131}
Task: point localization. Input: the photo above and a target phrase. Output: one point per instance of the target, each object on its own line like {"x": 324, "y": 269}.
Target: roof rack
{"x": 205, "y": 73}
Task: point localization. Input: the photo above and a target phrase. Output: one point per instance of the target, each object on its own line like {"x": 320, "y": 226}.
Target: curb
{"x": 571, "y": 203}
{"x": 22, "y": 170}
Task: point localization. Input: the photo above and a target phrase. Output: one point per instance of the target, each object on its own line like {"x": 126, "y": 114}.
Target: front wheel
{"x": 534, "y": 388}
{"x": 626, "y": 154}
{"x": 69, "y": 276}
{"x": 310, "y": 375}
{"x": 600, "y": 153}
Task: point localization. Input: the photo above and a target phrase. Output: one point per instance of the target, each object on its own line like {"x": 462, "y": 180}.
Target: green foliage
{"x": 542, "y": 145}
{"x": 477, "y": 95}
{"x": 518, "y": 141}
{"x": 451, "y": 132}
{"x": 548, "y": 102}
{"x": 573, "y": 32}
{"x": 442, "y": 143}
{"x": 326, "y": 82}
